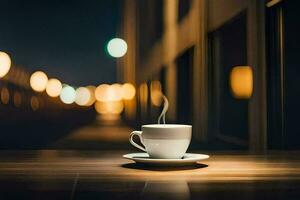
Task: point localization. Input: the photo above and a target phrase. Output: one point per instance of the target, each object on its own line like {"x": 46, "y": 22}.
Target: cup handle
{"x": 139, "y": 134}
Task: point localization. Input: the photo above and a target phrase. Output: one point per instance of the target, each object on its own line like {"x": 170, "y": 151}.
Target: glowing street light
{"x": 53, "y": 87}
{"x": 101, "y": 93}
{"x": 128, "y": 91}
{"x": 115, "y": 92}
{"x": 117, "y": 47}
{"x": 83, "y": 96}
{"x": 92, "y": 99}
{"x": 5, "y": 63}
{"x": 38, "y": 81}
{"x": 67, "y": 94}
{"x": 111, "y": 107}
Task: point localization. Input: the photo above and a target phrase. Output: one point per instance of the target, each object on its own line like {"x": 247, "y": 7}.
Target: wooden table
{"x": 51, "y": 174}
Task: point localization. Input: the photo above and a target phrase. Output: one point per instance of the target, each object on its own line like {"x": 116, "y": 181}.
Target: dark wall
{"x": 185, "y": 87}
{"x": 292, "y": 73}
{"x": 283, "y": 75}
{"x": 150, "y": 24}
{"x": 228, "y": 116}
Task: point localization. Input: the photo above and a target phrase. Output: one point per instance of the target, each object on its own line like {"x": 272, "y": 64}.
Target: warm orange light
{"x": 34, "y": 103}
{"x": 101, "y": 93}
{"x": 143, "y": 93}
{"x": 112, "y": 107}
{"x": 92, "y": 100}
{"x": 17, "y": 99}
{"x": 100, "y": 107}
{"x": 5, "y": 64}
{"x": 115, "y": 92}
{"x": 53, "y": 87}
{"x": 156, "y": 93}
{"x": 241, "y": 82}
{"x": 83, "y": 96}
{"x": 115, "y": 107}
{"x": 5, "y": 95}
{"x": 128, "y": 91}
{"x": 38, "y": 81}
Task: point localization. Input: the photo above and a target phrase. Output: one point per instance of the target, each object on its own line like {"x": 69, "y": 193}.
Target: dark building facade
{"x": 190, "y": 48}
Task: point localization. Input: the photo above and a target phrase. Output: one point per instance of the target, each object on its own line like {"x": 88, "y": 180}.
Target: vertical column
{"x": 169, "y": 52}
{"x": 256, "y": 59}
{"x": 200, "y": 94}
{"x": 129, "y": 60}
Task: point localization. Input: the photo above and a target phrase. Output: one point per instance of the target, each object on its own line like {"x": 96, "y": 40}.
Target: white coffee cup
{"x": 166, "y": 141}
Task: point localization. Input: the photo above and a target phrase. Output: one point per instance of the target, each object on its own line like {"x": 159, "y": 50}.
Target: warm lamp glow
{"x": 92, "y": 100}
{"x": 34, "y": 103}
{"x": 241, "y": 82}
{"x": 112, "y": 107}
{"x": 5, "y": 63}
{"x": 101, "y": 92}
{"x": 67, "y": 94}
{"x": 156, "y": 93}
{"x": 38, "y": 81}
{"x": 144, "y": 93}
{"x": 17, "y": 99}
{"x": 83, "y": 96}
{"x": 53, "y": 87}
{"x": 5, "y": 95}
{"x": 128, "y": 91}
{"x": 115, "y": 92}
{"x": 100, "y": 107}
{"x": 117, "y": 47}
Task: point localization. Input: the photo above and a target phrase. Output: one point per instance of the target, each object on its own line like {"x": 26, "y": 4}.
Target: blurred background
{"x": 83, "y": 75}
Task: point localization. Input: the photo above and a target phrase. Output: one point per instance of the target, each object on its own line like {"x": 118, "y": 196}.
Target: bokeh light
{"x": 38, "y": 81}
{"x": 83, "y": 96}
{"x": 115, "y": 92}
{"x": 112, "y": 107}
{"x": 92, "y": 100}
{"x": 241, "y": 82}
{"x": 53, "y": 87}
{"x": 143, "y": 93}
{"x": 102, "y": 92}
{"x": 117, "y": 47}
{"x": 17, "y": 99}
{"x": 5, "y": 95}
{"x": 68, "y": 94}
{"x": 5, "y": 63}
{"x": 156, "y": 93}
{"x": 34, "y": 103}
{"x": 128, "y": 91}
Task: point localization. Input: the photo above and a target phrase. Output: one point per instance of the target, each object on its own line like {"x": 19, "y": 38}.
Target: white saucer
{"x": 188, "y": 159}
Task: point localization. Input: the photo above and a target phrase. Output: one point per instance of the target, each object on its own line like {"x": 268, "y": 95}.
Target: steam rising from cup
{"x": 164, "y": 110}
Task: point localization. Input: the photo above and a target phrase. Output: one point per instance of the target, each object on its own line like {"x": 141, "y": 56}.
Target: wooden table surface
{"x": 52, "y": 174}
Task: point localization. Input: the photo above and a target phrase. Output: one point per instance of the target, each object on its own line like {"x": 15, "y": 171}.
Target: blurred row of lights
{"x": 107, "y": 99}
{"x": 83, "y": 96}
{"x": 16, "y": 97}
